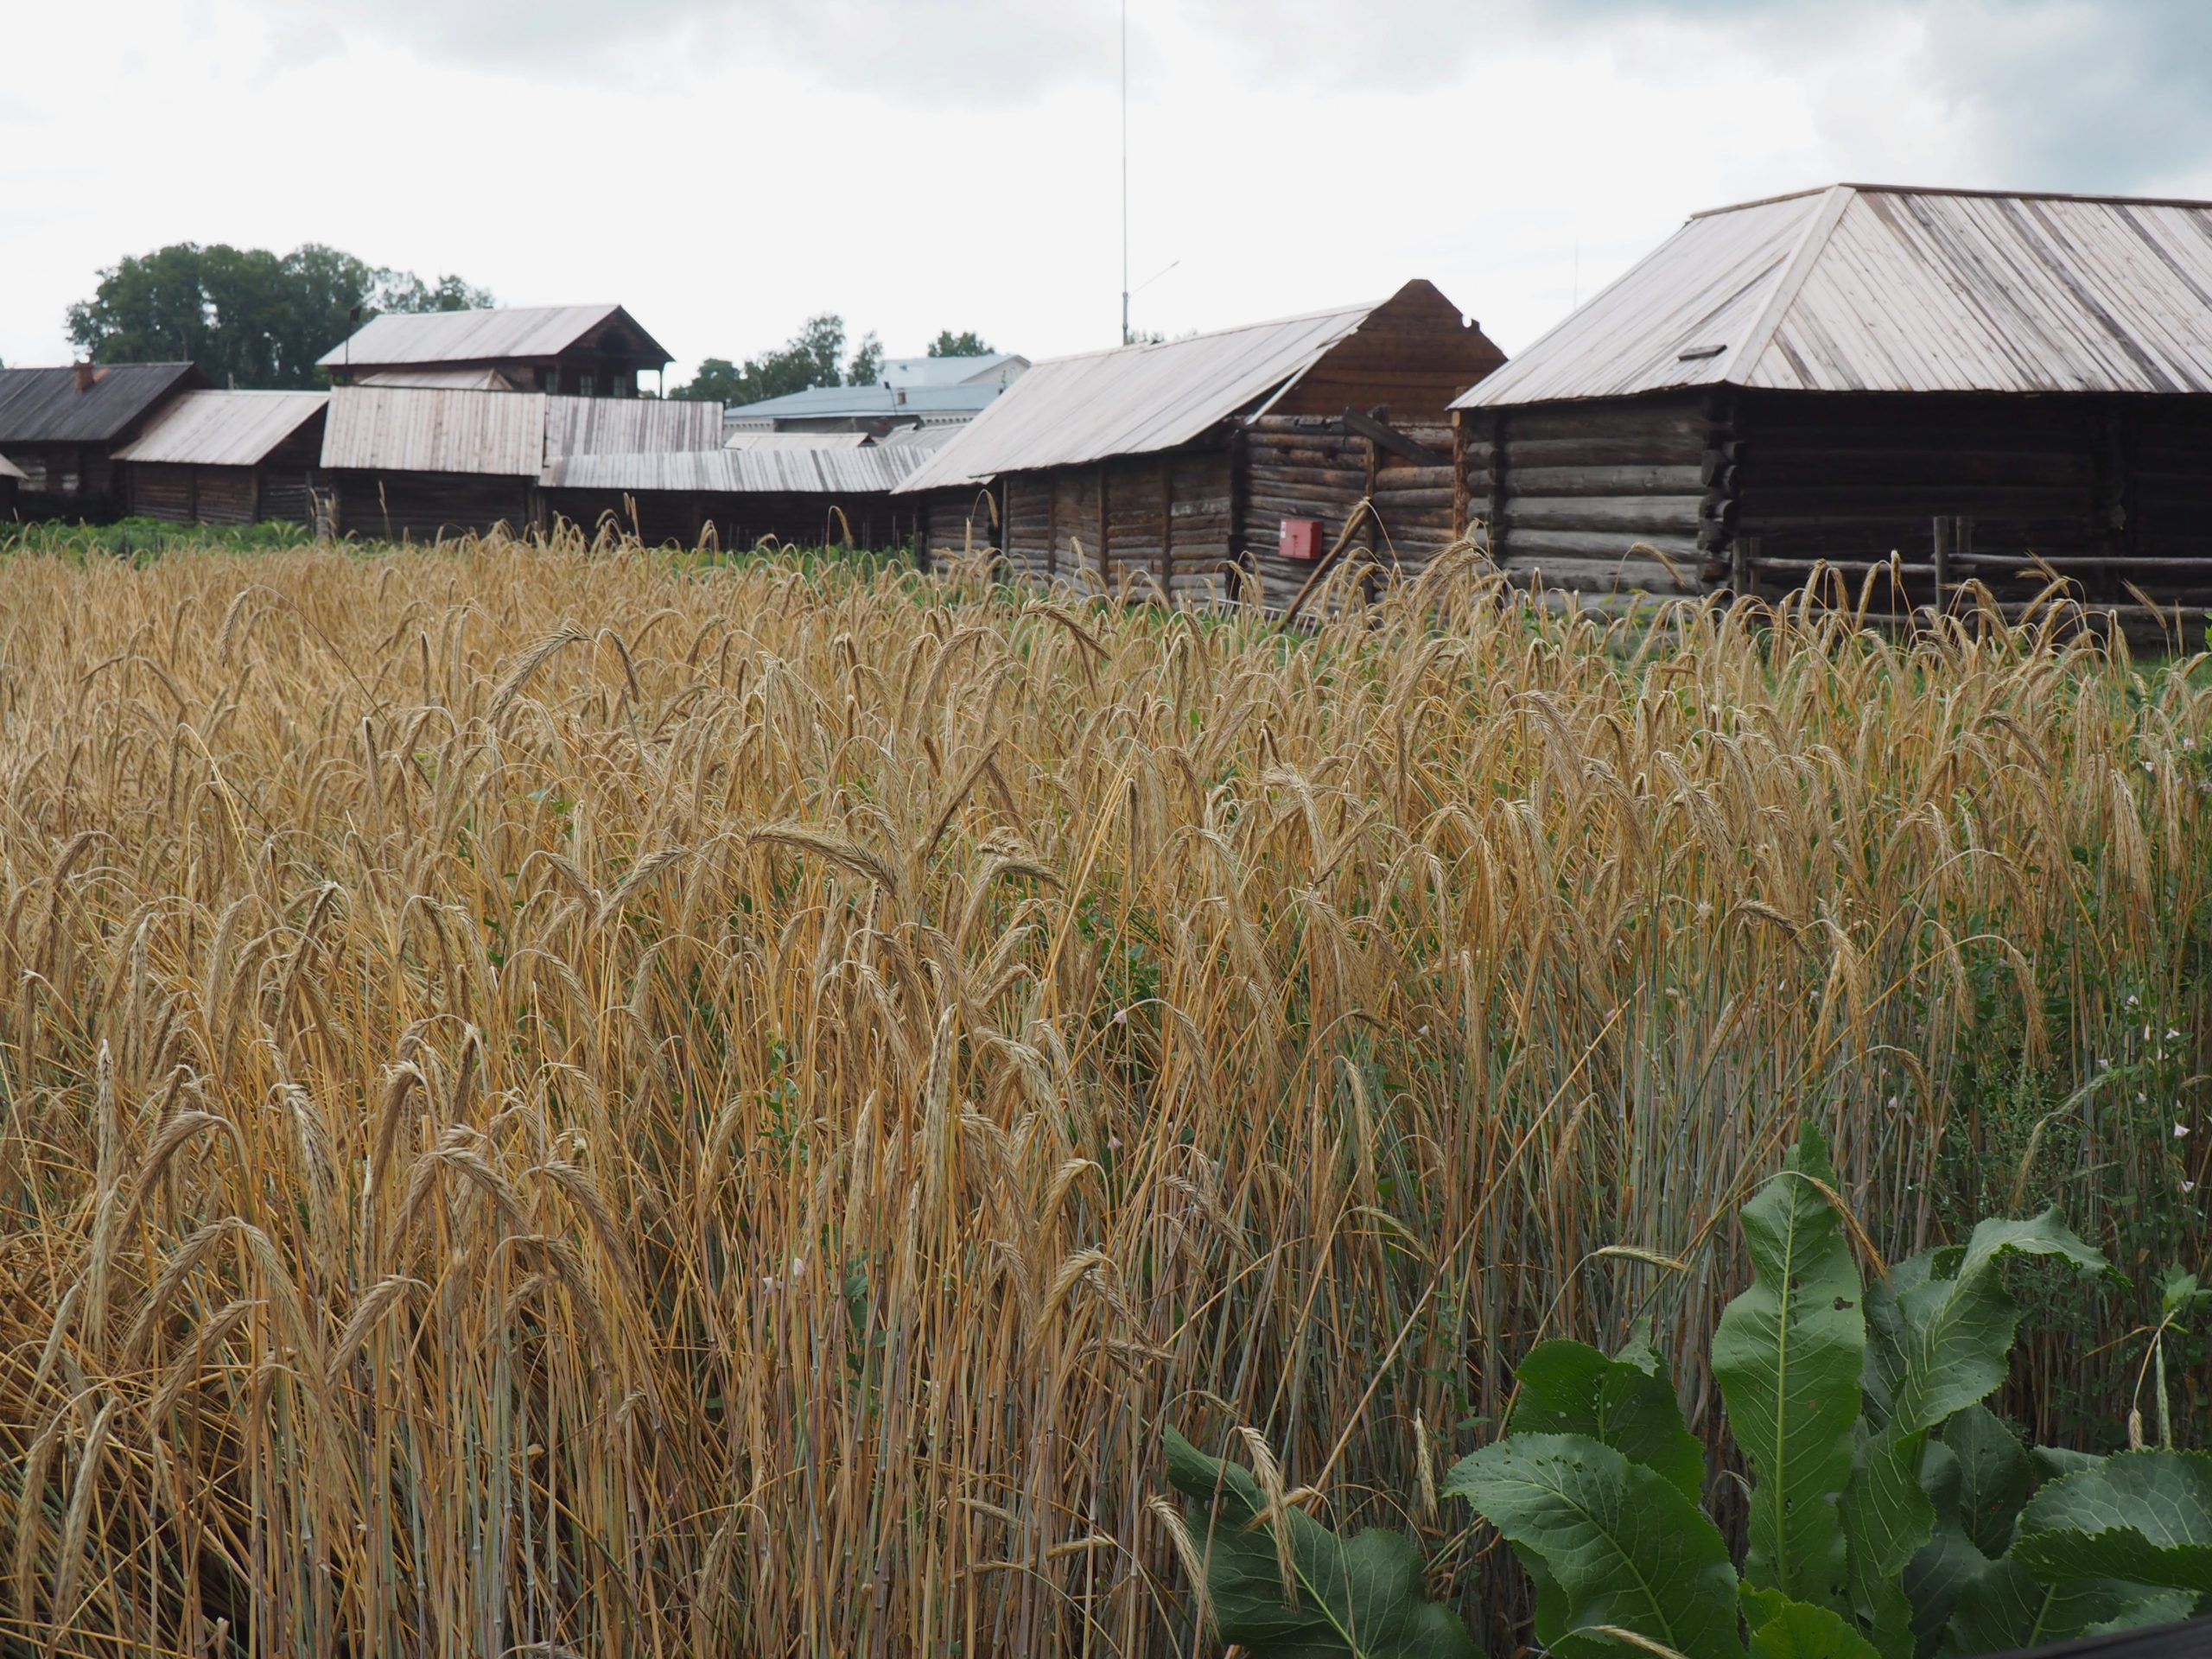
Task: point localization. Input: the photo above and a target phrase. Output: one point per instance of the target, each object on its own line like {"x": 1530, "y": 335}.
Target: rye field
{"x": 566, "y": 1100}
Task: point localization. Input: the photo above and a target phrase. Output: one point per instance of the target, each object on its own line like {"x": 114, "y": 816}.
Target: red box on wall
{"x": 1300, "y": 539}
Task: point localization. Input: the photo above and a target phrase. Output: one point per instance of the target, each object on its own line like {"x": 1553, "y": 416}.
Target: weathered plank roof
{"x": 873, "y": 403}
{"x": 504, "y": 334}
{"x": 1133, "y": 399}
{"x": 223, "y": 428}
{"x": 739, "y": 472}
{"x": 404, "y": 430}
{"x": 477, "y": 378}
{"x": 1872, "y": 288}
{"x": 630, "y": 425}
{"x": 44, "y": 406}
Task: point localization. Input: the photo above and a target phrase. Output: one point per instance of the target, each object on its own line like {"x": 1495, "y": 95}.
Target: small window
{"x": 552, "y": 379}
{"x": 586, "y": 386}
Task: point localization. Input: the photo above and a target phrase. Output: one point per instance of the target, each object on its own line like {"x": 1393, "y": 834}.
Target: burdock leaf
{"x": 2142, "y": 1516}
{"x": 1783, "y": 1629}
{"x": 1569, "y": 1388}
{"x": 2005, "y": 1608}
{"x": 1619, "y": 1544}
{"x": 1787, "y": 1356}
{"x": 1357, "y": 1598}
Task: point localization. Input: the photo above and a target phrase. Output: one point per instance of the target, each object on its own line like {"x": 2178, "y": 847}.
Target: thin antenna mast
{"x": 1125, "y": 172}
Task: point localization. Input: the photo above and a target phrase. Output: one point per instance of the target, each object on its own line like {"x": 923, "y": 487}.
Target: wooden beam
{"x": 1384, "y": 435}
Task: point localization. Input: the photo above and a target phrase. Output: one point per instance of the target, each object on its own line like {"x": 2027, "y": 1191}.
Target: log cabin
{"x": 1960, "y": 394}
{"x": 567, "y": 351}
{"x": 1227, "y": 464}
{"x": 226, "y": 458}
{"x": 823, "y": 496}
{"x": 60, "y": 428}
{"x": 419, "y": 463}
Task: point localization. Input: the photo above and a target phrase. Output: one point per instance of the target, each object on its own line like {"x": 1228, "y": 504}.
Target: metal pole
{"x": 1125, "y": 172}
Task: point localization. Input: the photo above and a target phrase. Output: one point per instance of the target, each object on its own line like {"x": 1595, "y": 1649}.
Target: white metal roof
{"x": 998, "y": 368}
{"x": 223, "y": 428}
{"x": 1874, "y": 288}
{"x": 407, "y": 429}
{"x": 505, "y": 332}
{"x": 720, "y": 471}
{"x": 1134, "y": 399}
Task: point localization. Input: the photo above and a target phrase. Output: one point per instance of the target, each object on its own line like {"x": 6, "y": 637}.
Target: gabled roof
{"x": 510, "y": 333}
{"x": 1875, "y": 287}
{"x": 998, "y": 368}
{"x": 869, "y": 471}
{"x": 829, "y": 403}
{"x": 1134, "y": 399}
{"x": 44, "y": 406}
{"x": 510, "y": 434}
{"x": 223, "y": 428}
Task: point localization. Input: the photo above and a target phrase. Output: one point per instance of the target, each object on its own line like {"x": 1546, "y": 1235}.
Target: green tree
{"x": 247, "y": 316}
{"x": 813, "y": 356}
{"x": 966, "y": 343}
{"x": 866, "y": 366}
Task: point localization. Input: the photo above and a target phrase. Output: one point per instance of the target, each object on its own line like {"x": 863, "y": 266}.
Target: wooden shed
{"x": 573, "y": 351}
{"x": 226, "y": 458}
{"x": 1935, "y": 387}
{"x": 812, "y": 497}
{"x": 60, "y": 428}
{"x": 414, "y": 463}
{"x": 1174, "y": 468}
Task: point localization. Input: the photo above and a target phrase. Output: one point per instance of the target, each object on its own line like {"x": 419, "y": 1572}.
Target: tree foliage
{"x": 249, "y": 317}
{"x": 966, "y": 343}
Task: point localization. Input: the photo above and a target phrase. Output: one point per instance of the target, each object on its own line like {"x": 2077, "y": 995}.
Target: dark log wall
{"x": 71, "y": 480}
{"x": 667, "y": 518}
{"x": 1620, "y": 496}
{"x": 2158, "y": 476}
{"x": 956, "y": 521}
{"x": 1309, "y": 466}
{"x": 1135, "y": 524}
{"x": 423, "y": 507}
{"x": 288, "y": 475}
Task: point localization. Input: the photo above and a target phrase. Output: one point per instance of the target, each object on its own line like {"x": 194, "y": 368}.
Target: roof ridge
{"x": 1812, "y": 241}
{"x": 1362, "y": 311}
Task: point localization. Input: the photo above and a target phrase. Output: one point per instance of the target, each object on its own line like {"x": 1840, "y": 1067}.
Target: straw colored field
{"x": 579, "y": 1100}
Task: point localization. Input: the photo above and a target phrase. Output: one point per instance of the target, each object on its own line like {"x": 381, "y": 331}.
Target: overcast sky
{"x": 724, "y": 167}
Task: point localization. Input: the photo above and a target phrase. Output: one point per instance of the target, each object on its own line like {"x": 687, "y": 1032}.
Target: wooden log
{"x": 1599, "y": 545}
{"x": 1660, "y": 514}
{"x": 1677, "y": 478}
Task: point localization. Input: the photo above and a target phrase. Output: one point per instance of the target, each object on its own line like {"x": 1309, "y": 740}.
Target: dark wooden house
{"x": 413, "y": 463}
{"x": 1936, "y": 387}
{"x": 1226, "y": 463}
{"x": 811, "y": 496}
{"x": 226, "y": 458}
{"x": 569, "y": 350}
{"x": 61, "y": 427}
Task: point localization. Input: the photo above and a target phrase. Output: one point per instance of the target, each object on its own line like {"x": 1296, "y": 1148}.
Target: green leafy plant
{"x": 1892, "y": 1516}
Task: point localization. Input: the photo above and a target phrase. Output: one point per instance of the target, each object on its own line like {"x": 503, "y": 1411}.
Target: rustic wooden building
{"x": 1204, "y": 466}
{"x": 226, "y": 458}
{"x": 812, "y": 497}
{"x": 570, "y": 351}
{"x": 411, "y": 463}
{"x": 11, "y": 476}
{"x": 1988, "y": 387}
{"x": 61, "y": 427}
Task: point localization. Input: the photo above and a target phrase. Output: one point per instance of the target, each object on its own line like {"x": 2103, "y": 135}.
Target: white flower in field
{"x": 2150, "y": 766}
{"x": 2187, "y": 1187}
{"x": 2140, "y": 1096}
{"x": 2134, "y": 1001}
{"x": 1121, "y": 1016}
{"x": 1423, "y": 1032}
{"x": 2181, "y": 1131}
{"x": 2171, "y": 1033}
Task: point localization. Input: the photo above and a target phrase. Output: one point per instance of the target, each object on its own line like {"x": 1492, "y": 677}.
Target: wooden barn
{"x": 1201, "y": 467}
{"x": 569, "y": 350}
{"x": 1935, "y": 386}
{"x": 812, "y": 497}
{"x": 226, "y": 458}
{"x": 60, "y": 428}
{"x": 411, "y": 463}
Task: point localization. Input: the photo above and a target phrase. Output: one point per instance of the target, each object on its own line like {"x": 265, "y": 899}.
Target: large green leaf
{"x": 1887, "y": 1519}
{"x": 2142, "y": 1516}
{"x": 1938, "y": 1576}
{"x": 1993, "y": 1475}
{"x": 2005, "y": 1608}
{"x": 1569, "y": 1388}
{"x": 1357, "y": 1598}
{"x": 1618, "y": 1543}
{"x": 1959, "y": 1325}
{"x": 1783, "y": 1629}
{"x": 1787, "y": 1356}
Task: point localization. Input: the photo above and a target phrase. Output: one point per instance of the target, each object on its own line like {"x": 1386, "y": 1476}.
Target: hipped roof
{"x": 1881, "y": 289}
{"x": 1133, "y": 399}
{"x": 223, "y": 428}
